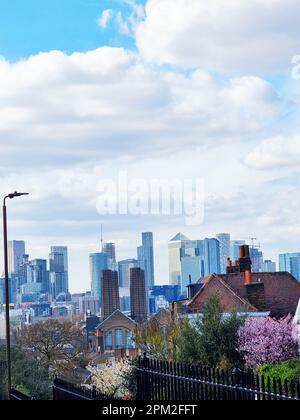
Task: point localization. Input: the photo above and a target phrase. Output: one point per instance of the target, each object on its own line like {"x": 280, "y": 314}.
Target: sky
{"x": 156, "y": 89}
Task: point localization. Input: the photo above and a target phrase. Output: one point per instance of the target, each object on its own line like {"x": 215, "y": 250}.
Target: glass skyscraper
{"x": 98, "y": 263}
{"x": 16, "y": 253}
{"x": 211, "y": 256}
{"x": 290, "y": 262}
{"x": 146, "y": 253}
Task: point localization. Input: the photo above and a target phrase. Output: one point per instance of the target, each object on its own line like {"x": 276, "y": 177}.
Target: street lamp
{"x": 10, "y": 196}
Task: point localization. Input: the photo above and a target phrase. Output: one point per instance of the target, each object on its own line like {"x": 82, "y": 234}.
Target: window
{"x": 118, "y": 339}
{"x": 108, "y": 341}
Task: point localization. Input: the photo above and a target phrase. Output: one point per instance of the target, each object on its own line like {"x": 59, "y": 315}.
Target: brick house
{"x": 241, "y": 290}
{"x": 114, "y": 336}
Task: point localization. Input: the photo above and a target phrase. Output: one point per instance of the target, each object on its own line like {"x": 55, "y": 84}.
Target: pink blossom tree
{"x": 267, "y": 341}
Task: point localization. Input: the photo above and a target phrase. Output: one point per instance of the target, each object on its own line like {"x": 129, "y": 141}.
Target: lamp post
{"x": 9, "y": 196}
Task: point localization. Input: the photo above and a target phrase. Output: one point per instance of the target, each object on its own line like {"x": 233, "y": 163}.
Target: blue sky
{"x": 198, "y": 90}
{"x": 28, "y": 27}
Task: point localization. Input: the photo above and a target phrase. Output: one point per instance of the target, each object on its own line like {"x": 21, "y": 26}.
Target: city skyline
{"x": 87, "y": 286}
{"x": 114, "y": 98}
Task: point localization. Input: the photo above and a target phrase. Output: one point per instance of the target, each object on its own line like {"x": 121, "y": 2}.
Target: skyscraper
{"x": 175, "y": 255}
{"x": 211, "y": 256}
{"x": 109, "y": 249}
{"x": 235, "y": 249}
{"x": 110, "y": 299}
{"x": 224, "y": 240}
{"x": 290, "y": 262}
{"x": 124, "y": 268}
{"x": 58, "y": 277}
{"x": 257, "y": 259}
{"x": 269, "y": 266}
{"x": 138, "y": 295}
{"x": 98, "y": 262}
{"x": 40, "y": 274}
{"x": 16, "y": 252}
{"x": 192, "y": 269}
{"x": 146, "y": 253}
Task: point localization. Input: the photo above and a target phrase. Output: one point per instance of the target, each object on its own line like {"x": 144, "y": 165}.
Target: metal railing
{"x": 167, "y": 381}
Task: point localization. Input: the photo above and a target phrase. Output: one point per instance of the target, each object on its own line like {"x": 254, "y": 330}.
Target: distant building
{"x": 98, "y": 262}
{"x": 138, "y": 294}
{"x": 192, "y": 269}
{"x": 40, "y": 274}
{"x": 257, "y": 259}
{"x": 124, "y": 268}
{"x": 58, "y": 276}
{"x": 175, "y": 255}
{"x": 224, "y": 241}
{"x": 110, "y": 298}
{"x": 269, "y": 266}
{"x": 88, "y": 304}
{"x": 235, "y": 247}
{"x": 16, "y": 252}
{"x": 109, "y": 249}
{"x": 211, "y": 256}
{"x": 290, "y": 262}
{"x": 146, "y": 254}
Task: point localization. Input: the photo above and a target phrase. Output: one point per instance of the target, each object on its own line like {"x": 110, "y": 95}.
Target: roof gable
{"x": 230, "y": 300}
{"x": 116, "y": 316}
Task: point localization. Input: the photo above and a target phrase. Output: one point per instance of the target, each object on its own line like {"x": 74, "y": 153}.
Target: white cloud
{"x": 105, "y": 18}
{"x": 59, "y": 110}
{"x": 275, "y": 153}
{"x": 245, "y": 36}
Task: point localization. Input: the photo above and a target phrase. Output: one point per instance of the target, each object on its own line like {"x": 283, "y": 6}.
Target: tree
{"x": 110, "y": 378}
{"x": 267, "y": 341}
{"x": 59, "y": 346}
{"x": 157, "y": 338}
{"x": 28, "y": 376}
{"x": 211, "y": 340}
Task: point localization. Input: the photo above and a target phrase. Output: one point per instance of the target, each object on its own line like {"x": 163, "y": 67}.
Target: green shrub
{"x": 289, "y": 370}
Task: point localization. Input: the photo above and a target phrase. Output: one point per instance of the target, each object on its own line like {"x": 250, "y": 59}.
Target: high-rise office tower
{"x": 124, "y": 268}
{"x": 16, "y": 253}
{"x": 110, "y": 250}
{"x": 175, "y": 255}
{"x": 138, "y": 295}
{"x": 192, "y": 269}
{"x": 40, "y": 274}
{"x": 211, "y": 256}
{"x": 58, "y": 277}
{"x": 110, "y": 299}
{"x": 290, "y": 262}
{"x": 224, "y": 240}
{"x": 235, "y": 249}
{"x": 257, "y": 259}
{"x": 146, "y": 253}
{"x": 269, "y": 266}
{"x": 98, "y": 262}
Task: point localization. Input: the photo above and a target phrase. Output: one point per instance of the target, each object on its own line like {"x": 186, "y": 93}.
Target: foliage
{"x": 28, "y": 376}
{"x": 289, "y": 370}
{"x": 59, "y": 346}
{"x": 211, "y": 340}
{"x": 267, "y": 341}
{"x": 110, "y": 378}
{"x": 159, "y": 337}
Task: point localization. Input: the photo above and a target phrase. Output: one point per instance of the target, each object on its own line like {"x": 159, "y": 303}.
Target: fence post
{"x": 236, "y": 374}
{"x": 145, "y": 379}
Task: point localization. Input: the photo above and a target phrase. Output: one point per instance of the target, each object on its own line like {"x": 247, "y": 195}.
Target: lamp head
{"x": 16, "y": 194}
